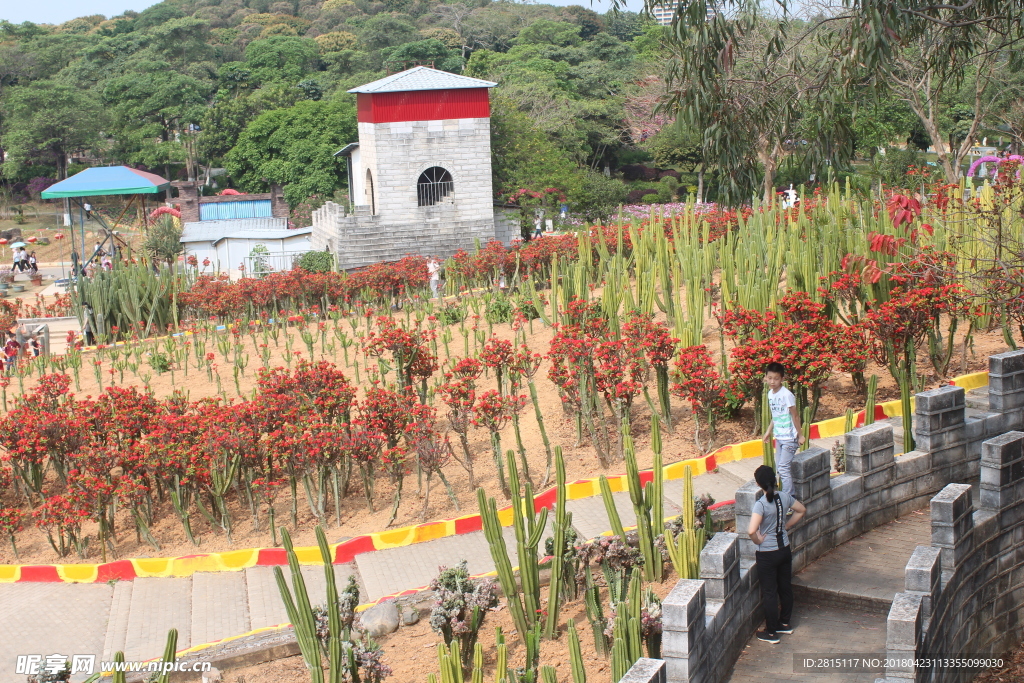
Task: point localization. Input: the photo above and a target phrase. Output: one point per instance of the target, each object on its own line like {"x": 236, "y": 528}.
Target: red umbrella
{"x": 3, "y": 240}
{"x": 32, "y": 240}
{"x": 59, "y": 236}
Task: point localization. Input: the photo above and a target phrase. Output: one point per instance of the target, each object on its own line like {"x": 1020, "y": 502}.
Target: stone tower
{"x": 420, "y": 175}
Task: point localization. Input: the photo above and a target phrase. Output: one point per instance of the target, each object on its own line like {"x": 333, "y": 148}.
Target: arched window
{"x": 369, "y": 193}
{"x": 433, "y": 185}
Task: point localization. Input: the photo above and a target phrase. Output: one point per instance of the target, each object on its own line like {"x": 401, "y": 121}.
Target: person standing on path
{"x": 434, "y": 270}
{"x": 768, "y": 526}
{"x": 785, "y": 424}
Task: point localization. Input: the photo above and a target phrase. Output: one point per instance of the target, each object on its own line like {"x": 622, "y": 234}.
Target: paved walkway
{"x": 842, "y": 602}
{"x": 134, "y": 616}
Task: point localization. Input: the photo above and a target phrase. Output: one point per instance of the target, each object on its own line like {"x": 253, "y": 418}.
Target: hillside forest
{"x": 246, "y": 93}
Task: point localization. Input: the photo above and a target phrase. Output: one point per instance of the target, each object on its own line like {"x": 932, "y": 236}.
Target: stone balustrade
{"x": 708, "y": 621}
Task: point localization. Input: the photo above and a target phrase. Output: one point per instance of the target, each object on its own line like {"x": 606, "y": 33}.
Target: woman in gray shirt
{"x": 768, "y": 525}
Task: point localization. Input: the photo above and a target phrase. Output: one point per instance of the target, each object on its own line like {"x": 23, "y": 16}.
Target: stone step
{"x": 977, "y": 398}
{"x": 263, "y": 597}
{"x": 117, "y": 625}
{"x": 157, "y": 605}
{"x": 220, "y": 606}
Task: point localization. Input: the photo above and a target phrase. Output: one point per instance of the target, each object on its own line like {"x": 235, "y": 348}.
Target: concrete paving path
{"x": 842, "y": 601}
{"x": 134, "y": 616}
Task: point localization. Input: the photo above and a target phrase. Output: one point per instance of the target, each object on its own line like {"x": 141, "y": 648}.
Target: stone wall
{"x": 708, "y": 621}
{"x": 645, "y": 671}
{"x": 965, "y": 592}
{"x": 397, "y": 153}
{"x": 360, "y": 240}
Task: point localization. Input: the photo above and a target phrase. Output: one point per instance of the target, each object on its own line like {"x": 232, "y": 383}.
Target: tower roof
{"x": 422, "y": 78}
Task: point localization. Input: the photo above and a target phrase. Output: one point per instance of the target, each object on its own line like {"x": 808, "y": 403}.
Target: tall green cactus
{"x": 170, "y": 648}
{"x": 869, "y": 408}
{"x": 647, "y": 505}
{"x": 627, "y": 642}
{"x": 300, "y": 613}
{"x": 579, "y": 672}
{"x": 528, "y": 525}
{"x": 595, "y": 613}
{"x": 561, "y": 528}
{"x": 768, "y": 450}
{"x": 684, "y": 549}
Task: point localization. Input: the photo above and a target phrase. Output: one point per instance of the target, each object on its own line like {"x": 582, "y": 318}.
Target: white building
{"x": 664, "y": 12}
{"x": 245, "y": 246}
{"x": 420, "y": 175}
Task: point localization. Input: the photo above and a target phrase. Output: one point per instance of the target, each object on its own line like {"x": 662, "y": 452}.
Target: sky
{"x": 59, "y": 11}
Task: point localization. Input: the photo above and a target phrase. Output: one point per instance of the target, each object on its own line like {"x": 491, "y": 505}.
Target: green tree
{"x": 431, "y": 49}
{"x": 46, "y": 121}
{"x": 294, "y": 147}
{"x": 153, "y": 106}
{"x": 386, "y": 30}
{"x": 280, "y": 58}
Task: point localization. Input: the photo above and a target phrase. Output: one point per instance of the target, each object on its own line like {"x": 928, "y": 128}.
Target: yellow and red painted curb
{"x": 237, "y": 560}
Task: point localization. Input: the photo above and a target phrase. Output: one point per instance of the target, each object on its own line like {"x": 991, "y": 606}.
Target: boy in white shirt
{"x": 785, "y": 424}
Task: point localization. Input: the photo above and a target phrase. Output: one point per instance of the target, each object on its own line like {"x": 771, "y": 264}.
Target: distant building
{"x": 239, "y": 234}
{"x": 664, "y": 12}
{"x": 420, "y": 175}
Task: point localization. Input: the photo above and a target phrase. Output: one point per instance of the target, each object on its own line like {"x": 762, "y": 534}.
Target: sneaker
{"x": 768, "y": 637}
{"x": 784, "y": 629}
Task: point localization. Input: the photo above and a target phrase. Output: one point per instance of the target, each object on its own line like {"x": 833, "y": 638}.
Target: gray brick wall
{"x": 877, "y": 488}
{"x": 361, "y": 240}
{"x": 964, "y": 592}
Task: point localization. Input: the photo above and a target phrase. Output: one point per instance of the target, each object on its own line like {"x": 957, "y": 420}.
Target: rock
{"x": 410, "y": 615}
{"x": 212, "y": 676}
{"x": 381, "y": 619}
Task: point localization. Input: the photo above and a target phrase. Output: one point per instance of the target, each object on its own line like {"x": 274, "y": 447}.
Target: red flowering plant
{"x": 498, "y": 355}
{"x": 44, "y": 429}
{"x": 95, "y": 493}
{"x": 459, "y": 393}
{"x": 10, "y": 524}
{"x": 493, "y": 411}
{"x": 648, "y": 339}
{"x": 900, "y": 325}
{"x": 318, "y": 388}
{"x": 573, "y": 371}
{"x": 61, "y": 517}
{"x": 698, "y": 381}
{"x": 410, "y": 354}
{"x": 619, "y": 374}
{"x": 801, "y": 337}
{"x": 433, "y": 451}
{"x": 363, "y": 446}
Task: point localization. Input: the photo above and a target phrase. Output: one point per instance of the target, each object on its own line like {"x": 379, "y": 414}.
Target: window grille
{"x": 433, "y": 185}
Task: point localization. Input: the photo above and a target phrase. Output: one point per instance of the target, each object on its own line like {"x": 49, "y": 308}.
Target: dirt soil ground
{"x": 581, "y": 461}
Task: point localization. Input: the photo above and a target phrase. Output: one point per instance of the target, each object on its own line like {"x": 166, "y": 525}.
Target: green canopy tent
{"x": 102, "y": 181}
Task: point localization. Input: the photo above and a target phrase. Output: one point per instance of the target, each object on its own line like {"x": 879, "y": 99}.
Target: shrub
{"x": 460, "y": 605}
{"x": 316, "y": 261}
{"x": 159, "y": 362}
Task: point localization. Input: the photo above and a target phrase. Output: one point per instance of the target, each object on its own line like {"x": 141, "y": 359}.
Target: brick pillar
{"x": 953, "y": 526}
{"x": 683, "y": 643}
{"x": 903, "y": 635}
{"x": 924, "y": 578}
{"x": 1006, "y": 386}
{"x": 746, "y": 496}
{"x": 939, "y": 429}
{"x": 869, "y": 455}
{"x": 188, "y": 200}
{"x": 811, "y": 480}
{"x": 278, "y": 206}
{"x": 720, "y": 566}
{"x": 1002, "y": 475}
